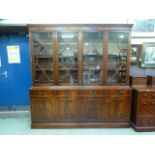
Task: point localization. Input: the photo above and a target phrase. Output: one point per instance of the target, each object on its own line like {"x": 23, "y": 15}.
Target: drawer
{"x": 146, "y": 122}
{"x": 42, "y": 93}
{"x": 147, "y": 102}
{"x": 120, "y": 92}
{"x": 94, "y": 92}
{"x": 147, "y": 111}
{"x": 68, "y": 92}
{"x": 115, "y": 99}
{"x": 140, "y": 82}
{"x": 81, "y": 92}
{"x": 147, "y": 95}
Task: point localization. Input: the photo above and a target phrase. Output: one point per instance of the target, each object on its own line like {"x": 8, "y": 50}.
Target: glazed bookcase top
{"x": 80, "y": 54}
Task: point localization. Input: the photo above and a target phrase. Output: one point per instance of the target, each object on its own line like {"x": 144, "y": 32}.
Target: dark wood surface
{"x": 135, "y": 81}
{"x": 80, "y": 106}
{"x": 73, "y": 27}
{"x": 151, "y": 80}
{"x": 143, "y": 109}
{"x": 102, "y": 104}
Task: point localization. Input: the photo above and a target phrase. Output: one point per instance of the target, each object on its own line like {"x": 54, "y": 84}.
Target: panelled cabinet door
{"x": 68, "y": 57}
{"x": 118, "y": 109}
{"x": 67, "y": 109}
{"x": 42, "y": 110}
{"x": 93, "y": 58}
{"x": 92, "y": 109}
{"x": 117, "y": 57}
{"x": 42, "y": 43}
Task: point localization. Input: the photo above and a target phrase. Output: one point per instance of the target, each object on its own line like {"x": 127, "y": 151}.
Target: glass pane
{"x": 93, "y": 57}
{"x": 43, "y": 57}
{"x": 117, "y": 57}
{"x": 68, "y": 57}
{"x": 147, "y": 25}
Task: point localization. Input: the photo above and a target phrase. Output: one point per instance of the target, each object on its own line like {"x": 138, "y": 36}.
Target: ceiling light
{"x": 67, "y": 35}
{"x": 121, "y": 36}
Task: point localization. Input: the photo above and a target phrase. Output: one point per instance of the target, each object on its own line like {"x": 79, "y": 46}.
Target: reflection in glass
{"x": 68, "y": 57}
{"x": 93, "y": 57}
{"x": 43, "y": 57}
{"x": 148, "y": 55}
{"x": 117, "y": 57}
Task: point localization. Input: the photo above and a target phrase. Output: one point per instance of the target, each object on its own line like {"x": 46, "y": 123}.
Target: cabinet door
{"x": 118, "y": 109}
{"x": 67, "y": 108}
{"x": 117, "y": 57}
{"x": 93, "y": 58}
{"x": 68, "y": 57}
{"x": 43, "y": 57}
{"x": 92, "y": 109}
{"x": 42, "y": 110}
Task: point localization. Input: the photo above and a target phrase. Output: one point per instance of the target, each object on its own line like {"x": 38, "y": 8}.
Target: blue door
{"x": 15, "y": 78}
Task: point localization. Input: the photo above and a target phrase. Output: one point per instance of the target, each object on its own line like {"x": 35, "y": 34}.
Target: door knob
{"x": 5, "y": 74}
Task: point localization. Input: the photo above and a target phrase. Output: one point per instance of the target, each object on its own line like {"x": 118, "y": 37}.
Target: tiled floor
{"x": 18, "y": 123}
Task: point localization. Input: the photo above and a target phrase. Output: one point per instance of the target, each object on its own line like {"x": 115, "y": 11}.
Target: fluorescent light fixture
{"x": 86, "y": 44}
{"x": 67, "y": 48}
{"x": 121, "y": 36}
{"x": 67, "y": 35}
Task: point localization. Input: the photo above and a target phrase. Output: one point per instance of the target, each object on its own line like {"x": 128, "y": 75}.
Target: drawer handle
{"x": 93, "y": 92}
{"x": 145, "y": 94}
{"x": 153, "y": 102}
{"x": 67, "y": 92}
{"x": 151, "y": 121}
{"x": 118, "y": 92}
{"x": 42, "y": 93}
{"x": 144, "y": 103}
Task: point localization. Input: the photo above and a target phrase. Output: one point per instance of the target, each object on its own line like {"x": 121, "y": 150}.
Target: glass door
{"x": 68, "y": 57}
{"x": 117, "y": 57}
{"x": 43, "y": 57}
{"x": 93, "y": 58}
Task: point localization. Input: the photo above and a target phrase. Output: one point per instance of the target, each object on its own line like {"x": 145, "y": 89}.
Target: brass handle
{"x": 68, "y": 92}
{"x": 144, "y": 103}
{"x": 151, "y": 121}
{"x": 42, "y": 93}
{"x": 153, "y": 102}
{"x": 93, "y": 92}
{"x": 118, "y": 92}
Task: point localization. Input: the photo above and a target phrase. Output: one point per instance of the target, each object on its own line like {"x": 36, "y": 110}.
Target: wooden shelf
{"x": 43, "y": 56}
{"x": 116, "y": 69}
{"x": 68, "y": 69}
{"x": 44, "y": 70}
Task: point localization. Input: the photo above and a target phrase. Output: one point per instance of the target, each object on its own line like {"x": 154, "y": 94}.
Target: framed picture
{"x": 148, "y": 55}
{"x": 135, "y": 54}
